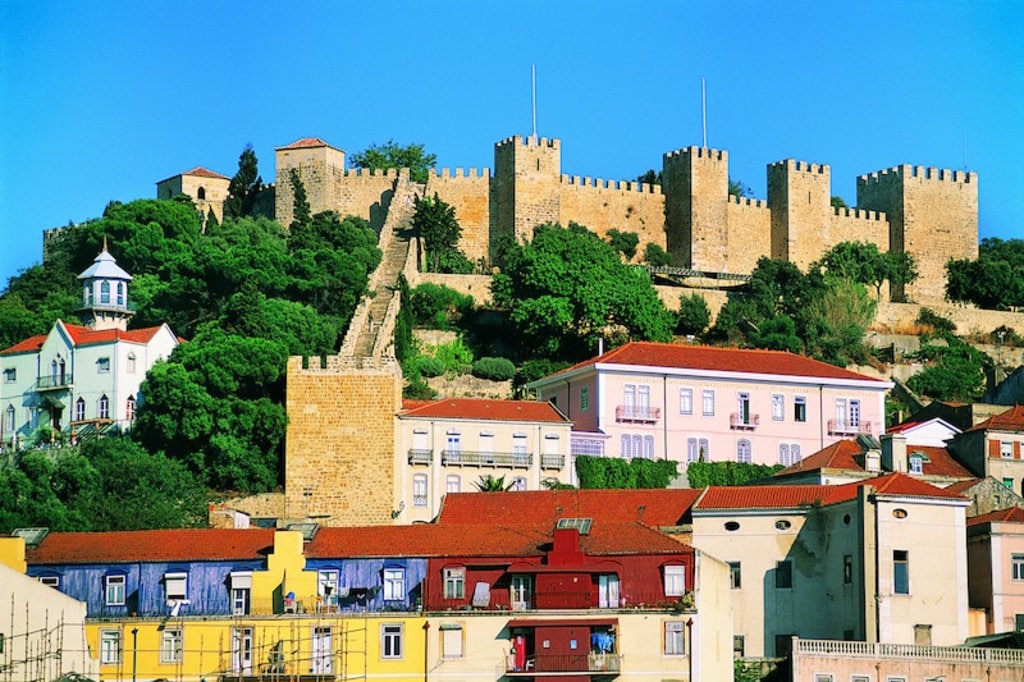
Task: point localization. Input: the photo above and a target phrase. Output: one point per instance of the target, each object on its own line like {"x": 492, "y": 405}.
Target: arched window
{"x": 519, "y": 484}
{"x": 9, "y": 418}
{"x": 784, "y": 454}
{"x": 120, "y": 293}
{"x": 105, "y": 292}
{"x": 104, "y": 411}
{"x": 80, "y": 409}
{"x": 201, "y": 193}
{"x": 743, "y": 453}
{"x": 130, "y": 411}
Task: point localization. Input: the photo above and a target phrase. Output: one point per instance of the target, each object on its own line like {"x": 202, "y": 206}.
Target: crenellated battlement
{"x": 929, "y": 173}
{"x": 859, "y": 214}
{"x": 698, "y": 152}
{"x": 389, "y": 173}
{"x": 613, "y": 185}
{"x": 802, "y": 166}
{"x": 459, "y": 173}
{"x": 528, "y": 141}
{"x": 748, "y": 201}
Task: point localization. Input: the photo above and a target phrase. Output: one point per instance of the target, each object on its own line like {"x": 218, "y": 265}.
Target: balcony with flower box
{"x": 637, "y": 414}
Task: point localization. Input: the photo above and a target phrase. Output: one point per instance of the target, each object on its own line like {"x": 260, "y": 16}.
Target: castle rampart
{"x": 470, "y": 195}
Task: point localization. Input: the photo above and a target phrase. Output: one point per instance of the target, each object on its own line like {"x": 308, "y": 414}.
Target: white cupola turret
{"x": 105, "y": 293}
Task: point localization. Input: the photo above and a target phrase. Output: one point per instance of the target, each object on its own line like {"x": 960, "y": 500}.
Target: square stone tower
{"x": 209, "y": 190}
{"x": 800, "y": 203}
{"x": 322, "y": 171}
{"x": 527, "y": 187}
{"x": 695, "y": 182}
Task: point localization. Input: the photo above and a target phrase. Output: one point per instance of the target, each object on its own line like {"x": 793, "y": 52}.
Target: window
{"x": 743, "y": 408}
{"x": 789, "y": 454}
{"x": 708, "y": 402}
{"x": 104, "y": 407}
{"x": 584, "y": 399}
{"x": 735, "y": 577}
{"x": 675, "y": 581}
{"x": 451, "y": 640}
{"x": 783, "y": 644}
{"x": 1018, "y": 622}
{"x": 113, "y": 588}
{"x": 103, "y": 366}
{"x": 80, "y": 409}
{"x": 674, "y": 638}
{"x": 519, "y": 444}
{"x": 391, "y": 641}
{"x": 778, "y": 407}
{"x": 201, "y": 193}
{"x": 326, "y": 581}
{"x": 686, "y": 401}
{"x": 847, "y": 569}
{"x": 697, "y": 450}
{"x": 9, "y": 416}
{"x": 608, "y": 591}
{"x": 637, "y": 400}
{"x": 900, "y": 572}
{"x": 120, "y": 293}
{"x": 783, "y": 574}
{"x": 743, "y": 453}
{"x": 419, "y": 490}
{"x": 394, "y": 584}
{"x": 131, "y": 363}
{"x": 176, "y": 585}
{"x": 1008, "y": 482}
{"x": 823, "y": 677}
{"x": 738, "y": 647}
{"x": 800, "y": 409}
{"x": 1017, "y": 561}
{"x": 916, "y": 464}
{"x": 105, "y": 292}
{"x": 110, "y": 646}
{"x": 854, "y": 414}
{"x": 453, "y": 483}
{"x": 521, "y": 591}
{"x": 453, "y": 442}
{"x": 240, "y": 601}
{"x": 518, "y": 484}
{"x": 454, "y": 583}
{"x": 1006, "y": 449}
{"x": 130, "y": 408}
{"x": 10, "y": 375}
{"x": 171, "y": 646}
{"x": 50, "y": 581}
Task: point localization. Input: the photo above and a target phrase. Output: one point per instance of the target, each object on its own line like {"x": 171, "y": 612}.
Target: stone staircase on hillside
{"x": 373, "y": 322}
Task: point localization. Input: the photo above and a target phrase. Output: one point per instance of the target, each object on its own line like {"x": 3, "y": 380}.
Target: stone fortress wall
{"x": 931, "y": 214}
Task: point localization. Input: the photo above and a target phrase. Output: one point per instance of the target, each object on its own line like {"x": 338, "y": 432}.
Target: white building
{"x": 76, "y": 379}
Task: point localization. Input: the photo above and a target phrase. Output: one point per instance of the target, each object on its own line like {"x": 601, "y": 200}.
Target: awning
{"x": 561, "y": 622}
{"x": 51, "y": 401}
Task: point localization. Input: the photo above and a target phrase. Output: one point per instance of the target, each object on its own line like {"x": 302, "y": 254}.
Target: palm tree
{"x": 490, "y": 484}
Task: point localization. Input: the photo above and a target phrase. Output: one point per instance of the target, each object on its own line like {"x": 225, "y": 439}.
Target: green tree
{"x": 244, "y": 187}
{"x": 837, "y": 202}
{"x": 566, "y": 288}
{"x": 994, "y": 281}
{"x": 650, "y": 177}
{"x": 624, "y": 242}
{"x": 954, "y": 372}
{"x": 858, "y": 262}
{"x": 656, "y": 256}
{"x": 694, "y": 315}
{"x": 393, "y": 155}
{"x": 492, "y": 484}
{"x": 439, "y": 232}
{"x": 738, "y": 189}
{"x": 901, "y": 269}
{"x": 300, "y": 204}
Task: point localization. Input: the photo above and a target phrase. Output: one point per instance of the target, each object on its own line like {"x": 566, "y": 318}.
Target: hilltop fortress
{"x": 931, "y": 214}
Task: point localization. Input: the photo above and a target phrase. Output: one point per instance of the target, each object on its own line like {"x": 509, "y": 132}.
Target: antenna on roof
{"x": 533, "y": 85}
{"x": 965, "y": 148}
{"x": 704, "y": 110}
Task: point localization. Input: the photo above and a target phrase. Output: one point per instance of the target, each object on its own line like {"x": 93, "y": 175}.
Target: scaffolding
{"x": 41, "y": 651}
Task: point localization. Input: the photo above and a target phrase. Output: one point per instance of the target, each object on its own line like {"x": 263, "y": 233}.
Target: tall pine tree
{"x": 244, "y": 187}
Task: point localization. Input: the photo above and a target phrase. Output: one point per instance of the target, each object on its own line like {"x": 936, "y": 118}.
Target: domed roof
{"x": 105, "y": 267}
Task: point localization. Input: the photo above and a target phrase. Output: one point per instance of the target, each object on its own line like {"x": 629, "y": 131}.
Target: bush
{"x": 655, "y": 256}
{"x": 494, "y": 369}
{"x": 610, "y": 472}
{"x": 702, "y": 474}
{"x": 417, "y": 389}
{"x": 436, "y": 305}
{"x": 940, "y": 324}
{"x": 694, "y": 315}
{"x": 430, "y": 367}
{"x": 454, "y": 355}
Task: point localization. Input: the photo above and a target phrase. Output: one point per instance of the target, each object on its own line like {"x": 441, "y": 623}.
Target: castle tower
{"x": 933, "y": 216}
{"x": 322, "y": 171}
{"x": 105, "y": 293}
{"x": 208, "y": 190}
{"x": 695, "y": 181}
{"x": 801, "y": 208}
{"x": 527, "y": 175}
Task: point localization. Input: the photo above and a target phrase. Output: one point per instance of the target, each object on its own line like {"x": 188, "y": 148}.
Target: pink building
{"x": 682, "y": 402}
{"x": 995, "y": 568}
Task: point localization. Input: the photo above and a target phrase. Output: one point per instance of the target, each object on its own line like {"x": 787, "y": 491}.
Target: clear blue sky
{"x": 99, "y": 100}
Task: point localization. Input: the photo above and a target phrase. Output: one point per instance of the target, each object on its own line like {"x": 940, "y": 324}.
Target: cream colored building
{"x": 447, "y": 446}
{"x": 208, "y": 190}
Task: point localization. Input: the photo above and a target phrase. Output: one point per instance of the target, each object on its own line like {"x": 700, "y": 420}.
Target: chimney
{"x": 600, "y": 346}
{"x": 894, "y": 452}
{"x": 872, "y": 460}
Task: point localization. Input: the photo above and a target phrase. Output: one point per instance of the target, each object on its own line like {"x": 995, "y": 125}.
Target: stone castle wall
{"x": 623, "y": 206}
{"x": 470, "y": 195}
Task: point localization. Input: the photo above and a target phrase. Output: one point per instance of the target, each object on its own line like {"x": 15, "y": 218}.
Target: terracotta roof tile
{"x": 83, "y": 336}
{"x": 503, "y": 410}
{"x": 651, "y": 507}
{"x": 750, "y": 361}
{"x": 205, "y": 173}
{"x": 1011, "y": 420}
{"x": 29, "y": 345}
{"x": 182, "y": 544}
{"x": 1011, "y": 515}
{"x": 305, "y": 142}
{"x": 961, "y": 487}
{"x": 842, "y": 454}
{"x": 939, "y": 462}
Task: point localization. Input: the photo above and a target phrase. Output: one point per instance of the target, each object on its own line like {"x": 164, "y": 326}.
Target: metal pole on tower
{"x": 704, "y": 109}
{"x": 533, "y": 78}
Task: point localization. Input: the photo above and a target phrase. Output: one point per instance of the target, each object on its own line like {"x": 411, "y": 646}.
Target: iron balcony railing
{"x": 637, "y": 414}
{"x": 420, "y": 456}
{"x": 845, "y": 427}
{"x": 469, "y": 458}
{"x": 552, "y": 461}
{"x": 738, "y": 422}
{"x": 584, "y": 663}
{"x": 51, "y": 383}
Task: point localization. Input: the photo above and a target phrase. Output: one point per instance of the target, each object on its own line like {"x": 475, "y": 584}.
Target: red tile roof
{"x": 180, "y": 544}
{"x": 653, "y": 508}
{"x": 205, "y": 173}
{"x": 848, "y": 455}
{"x": 939, "y": 462}
{"x": 1011, "y": 515}
{"x": 961, "y": 487}
{"x": 305, "y": 142}
{"x": 1011, "y": 420}
{"x": 83, "y": 336}
{"x": 501, "y": 410}
{"x": 708, "y": 358}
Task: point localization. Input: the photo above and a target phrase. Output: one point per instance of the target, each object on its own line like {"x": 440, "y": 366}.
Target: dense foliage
{"x": 494, "y": 369}
{"x": 954, "y": 370}
{"x": 609, "y": 472}
{"x": 393, "y": 155}
{"x": 438, "y": 232}
{"x": 703, "y": 474}
{"x": 995, "y": 280}
{"x": 438, "y": 306}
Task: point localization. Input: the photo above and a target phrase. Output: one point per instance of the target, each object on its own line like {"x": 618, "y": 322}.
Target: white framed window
{"x": 521, "y": 592}
{"x": 391, "y": 640}
{"x": 453, "y": 483}
{"x": 451, "y": 641}
{"x": 326, "y": 581}
{"x": 823, "y": 677}
{"x": 104, "y": 407}
{"x": 114, "y": 590}
{"x": 103, "y": 366}
{"x": 120, "y": 292}
{"x": 789, "y": 454}
{"x": 708, "y": 402}
{"x": 453, "y": 441}
{"x": 854, "y": 414}
{"x": 80, "y": 409}
{"x": 110, "y": 647}
{"x": 686, "y": 401}
{"x": 778, "y": 407}
{"x": 130, "y": 365}
{"x": 9, "y": 416}
{"x": 130, "y": 408}
{"x": 176, "y": 585}
{"x": 241, "y": 600}
{"x": 743, "y": 451}
{"x": 675, "y": 639}
{"x": 800, "y": 408}
{"x": 916, "y": 464}
{"x": 900, "y": 571}
{"x": 171, "y": 645}
{"x": 518, "y": 484}
{"x": 105, "y": 292}
{"x": 455, "y": 583}
{"x": 1006, "y": 449}
{"x": 675, "y": 581}
{"x": 743, "y": 407}
{"x": 50, "y": 581}
{"x": 394, "y": 584}
{"x": 419, "y": 490}
{"x": 584, "y": 398}
{"x": 1017, "y": 561}
{"x": 10, "y": 375}
{"x": 608, "y": 591}
{"x": 519, "y": 444}
{"x": 735, "y": 575}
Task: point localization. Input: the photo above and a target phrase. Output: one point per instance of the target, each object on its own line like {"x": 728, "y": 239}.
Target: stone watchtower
{"x": 695, "y": 182}
{"x": 208, "y": 190}
{"x": 933, "y": 216}
{"x": 527, "y": 184}
{"x": 105, "y": 293}
{"x": 801, "y": 210}
{"x": 322, "y": 171}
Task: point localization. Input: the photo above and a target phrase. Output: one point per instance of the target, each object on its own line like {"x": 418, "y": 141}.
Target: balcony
{"x": 634, "y": 414}
{"x": 593, "y": 663}
{"x": 844, "y": 427}
{"x": 552, "y": 461}
{"x": 737, "y": 422}
{"x": 420, "y": 456}
{"x": 54, "y": 383}
{"x": 504, "y": 460}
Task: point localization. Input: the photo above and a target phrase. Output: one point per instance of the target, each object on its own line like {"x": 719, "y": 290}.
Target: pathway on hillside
{"x": 385, "y": 279}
